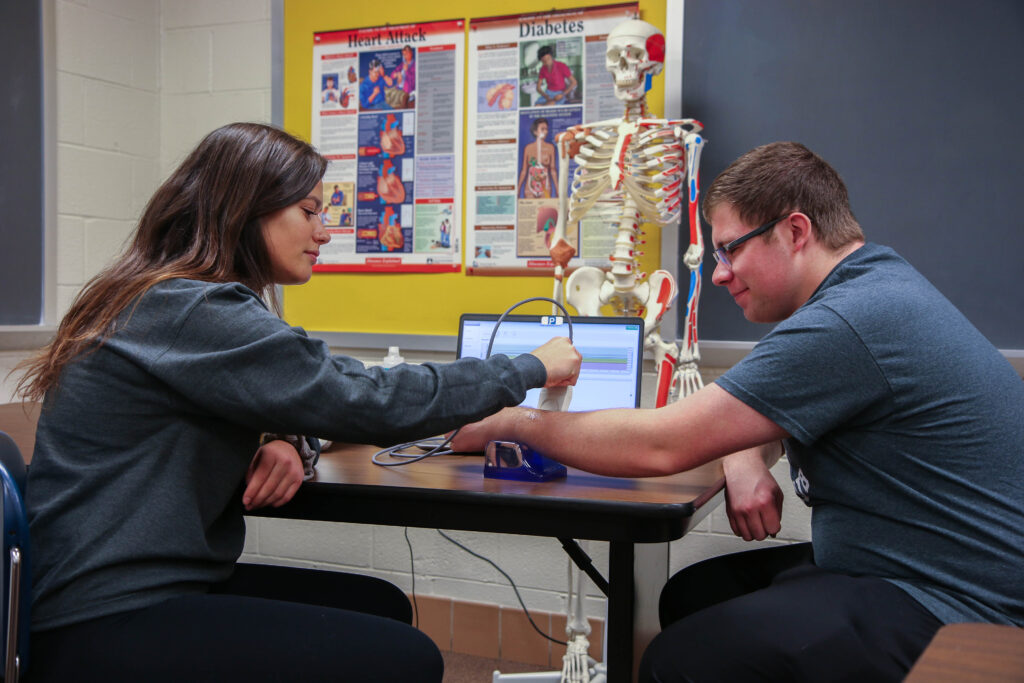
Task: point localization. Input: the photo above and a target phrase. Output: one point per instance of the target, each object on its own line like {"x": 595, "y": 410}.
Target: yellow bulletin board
{"x": 412, "y": 303}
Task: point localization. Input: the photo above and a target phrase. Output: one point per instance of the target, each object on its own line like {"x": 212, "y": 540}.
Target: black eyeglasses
{"x": 722, "y": 252}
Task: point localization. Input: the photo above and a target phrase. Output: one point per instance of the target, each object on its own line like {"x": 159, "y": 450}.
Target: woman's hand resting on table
{"x": 274, "y": 475}
{"x": 561, "y": 360}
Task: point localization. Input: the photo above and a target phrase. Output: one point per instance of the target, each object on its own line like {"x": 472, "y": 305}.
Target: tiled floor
{"x": 462, "y": 668}
{"x": 493, "y": 633}
{"x": 477, "y": 639}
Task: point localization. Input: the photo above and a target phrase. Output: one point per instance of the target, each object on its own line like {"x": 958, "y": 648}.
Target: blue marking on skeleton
{"x": 693, "y": 283}
{"x": 693, "y": 189}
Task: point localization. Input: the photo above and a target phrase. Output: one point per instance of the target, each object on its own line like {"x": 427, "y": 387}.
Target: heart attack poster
{"x": 387, "y": 115}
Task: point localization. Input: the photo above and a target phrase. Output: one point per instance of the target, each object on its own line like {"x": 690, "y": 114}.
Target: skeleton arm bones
{"x": 561, "y": 250}
{"x": 688, "y": 378}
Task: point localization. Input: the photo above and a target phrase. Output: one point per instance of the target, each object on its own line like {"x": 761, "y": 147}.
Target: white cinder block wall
{"x": 139, "y": 82}
{"x": 108, "y": 130}
{"x": 216, "y": 70}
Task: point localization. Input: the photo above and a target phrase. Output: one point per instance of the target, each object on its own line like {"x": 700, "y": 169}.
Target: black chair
{"x": 17, "y": 579}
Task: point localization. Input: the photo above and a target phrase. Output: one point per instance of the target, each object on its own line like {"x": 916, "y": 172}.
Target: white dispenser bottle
{"x": 392, "y": 358}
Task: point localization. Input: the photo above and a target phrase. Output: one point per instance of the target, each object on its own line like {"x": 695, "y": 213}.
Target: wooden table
{"x": 636, "y": 516}
{"x": 965, "y": 653}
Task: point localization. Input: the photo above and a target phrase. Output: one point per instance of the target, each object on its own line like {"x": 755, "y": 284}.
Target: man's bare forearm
{"x": 638, "y": 442}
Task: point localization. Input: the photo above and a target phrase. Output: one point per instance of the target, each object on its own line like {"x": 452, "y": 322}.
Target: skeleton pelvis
{"x": 583, "y": 290}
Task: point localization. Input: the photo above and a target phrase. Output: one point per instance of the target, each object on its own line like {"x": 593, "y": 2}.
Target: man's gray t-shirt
{"x": 907, "y": 437}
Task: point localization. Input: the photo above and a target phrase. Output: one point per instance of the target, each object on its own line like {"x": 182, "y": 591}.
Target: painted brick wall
{"x": 216, "y": 70}
{"x": 108, "y": 130}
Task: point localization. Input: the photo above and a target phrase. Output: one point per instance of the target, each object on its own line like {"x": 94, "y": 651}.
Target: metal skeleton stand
{"x": 577, "y": 665}
{"x": 628, "y": 170}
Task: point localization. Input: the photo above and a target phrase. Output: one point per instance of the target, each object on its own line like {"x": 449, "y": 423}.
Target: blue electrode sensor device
{"x": 511, "y": 460}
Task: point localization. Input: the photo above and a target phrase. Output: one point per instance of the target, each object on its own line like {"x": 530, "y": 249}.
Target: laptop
{"x": 612, "y": 350}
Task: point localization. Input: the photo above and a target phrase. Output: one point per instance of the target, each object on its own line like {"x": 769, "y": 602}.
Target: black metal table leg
{"x": 619, "y": 655}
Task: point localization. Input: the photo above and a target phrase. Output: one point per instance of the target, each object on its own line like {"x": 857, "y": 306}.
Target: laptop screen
{"x": 612, "y": 350}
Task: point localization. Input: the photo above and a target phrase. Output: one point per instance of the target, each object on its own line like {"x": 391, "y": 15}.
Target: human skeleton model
{"x": 630, "y": 169}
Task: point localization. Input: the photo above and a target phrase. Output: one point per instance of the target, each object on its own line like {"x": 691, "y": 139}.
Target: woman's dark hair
{"x": 536, "y": 124}
{"x": 203, "y": 223}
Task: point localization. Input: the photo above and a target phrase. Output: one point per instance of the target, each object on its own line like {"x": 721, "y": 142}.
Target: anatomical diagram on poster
{"x": 531, "y": 76}
{"x": 387, "y": 115}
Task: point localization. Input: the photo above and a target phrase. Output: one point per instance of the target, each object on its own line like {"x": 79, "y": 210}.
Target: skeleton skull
{"x": 636, "y": 50}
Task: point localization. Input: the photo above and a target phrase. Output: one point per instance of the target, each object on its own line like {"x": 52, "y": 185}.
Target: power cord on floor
{"x": 511, "y": 582}
{"x": 415, "y": 607}
{"x": 412, "y": 574}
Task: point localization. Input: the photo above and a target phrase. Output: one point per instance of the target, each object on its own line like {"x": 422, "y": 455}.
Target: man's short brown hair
{"x": 772, "y": 180}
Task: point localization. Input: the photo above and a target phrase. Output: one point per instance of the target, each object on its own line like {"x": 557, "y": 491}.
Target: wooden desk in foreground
{"x": 450, "y": 492}
{"x": 961, "y": 653}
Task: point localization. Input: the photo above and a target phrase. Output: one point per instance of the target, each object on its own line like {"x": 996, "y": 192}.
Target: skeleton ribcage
{"x": 647, "y": 166}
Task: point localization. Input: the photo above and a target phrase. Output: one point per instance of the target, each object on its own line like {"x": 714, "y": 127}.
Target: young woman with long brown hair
{"x": 156, "y": 389}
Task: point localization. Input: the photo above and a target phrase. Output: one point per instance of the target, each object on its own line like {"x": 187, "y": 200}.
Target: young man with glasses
{"x": 904, "y": 429}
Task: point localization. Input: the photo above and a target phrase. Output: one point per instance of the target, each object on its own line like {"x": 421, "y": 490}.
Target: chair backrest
{"x": 16, "y": 585}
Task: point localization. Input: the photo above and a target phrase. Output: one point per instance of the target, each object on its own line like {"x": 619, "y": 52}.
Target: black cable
{"x": 511, "y": 582}
{"x": 410, "y": 458}
{"x": 412, "y": 573}
{"x": 501, "y": 318}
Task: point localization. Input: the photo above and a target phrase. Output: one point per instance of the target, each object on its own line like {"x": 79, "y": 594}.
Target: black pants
{"x": 263, "y": 624}
{"x": 772, "y": 615}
